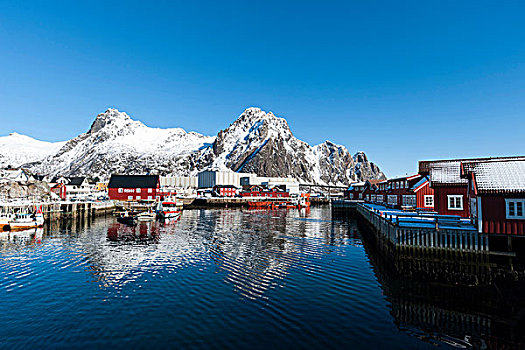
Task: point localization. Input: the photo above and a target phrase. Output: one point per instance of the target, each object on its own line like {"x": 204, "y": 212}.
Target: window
{"x": 392, "y": 199}
{"x": 455, "y": 202}
{"x": 138, "y": 190}
{"x": 149, "y": 198}
{"x": 150, "y": 190}
{"x": 130, "y": 198}
{"x": 429, "y": 201}
{"x": 138, "y": 197}
{"x": 409, "y": 200}
{"x": 120, "y": 190}
{"x": 515, "y": 208}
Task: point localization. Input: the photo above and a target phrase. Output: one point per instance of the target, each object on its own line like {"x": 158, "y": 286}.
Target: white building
{"x": 182, "y": 182}
{"x": 15, "y": 175}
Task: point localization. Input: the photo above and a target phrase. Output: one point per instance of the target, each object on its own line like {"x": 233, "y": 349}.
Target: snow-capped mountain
{"x": 256, "y": 142}
{"x": 16, "y": 149}
{"x": 115, "y": 143}
{"x": 262, "y": 143}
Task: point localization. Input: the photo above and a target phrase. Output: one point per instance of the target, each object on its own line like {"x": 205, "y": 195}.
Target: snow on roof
{"x": 499, "y": 176}
{"x": 446, "y": 173}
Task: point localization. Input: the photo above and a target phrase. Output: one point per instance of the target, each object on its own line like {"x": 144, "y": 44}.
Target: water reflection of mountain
{"x": 257, "y": 248}
{"x": 442, "y": 313}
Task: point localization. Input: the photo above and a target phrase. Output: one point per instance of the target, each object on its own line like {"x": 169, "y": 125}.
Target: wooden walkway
{"x": 434, "y": 232}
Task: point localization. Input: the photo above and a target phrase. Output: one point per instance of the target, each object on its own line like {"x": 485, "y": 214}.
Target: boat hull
{"x": 127, "y": 220}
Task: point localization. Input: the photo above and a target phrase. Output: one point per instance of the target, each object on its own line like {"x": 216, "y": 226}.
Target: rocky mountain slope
{"x": 256, "y": 142}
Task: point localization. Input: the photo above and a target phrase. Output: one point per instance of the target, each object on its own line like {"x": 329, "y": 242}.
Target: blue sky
{"x": 402, "y": 81}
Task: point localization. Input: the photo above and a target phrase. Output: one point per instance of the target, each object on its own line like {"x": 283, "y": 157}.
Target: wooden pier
{"x": 440, "y": 236}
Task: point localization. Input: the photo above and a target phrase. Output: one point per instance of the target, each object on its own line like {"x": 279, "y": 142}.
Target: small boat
{"x": 127, "y": 219}
{"x": 168, "y": 209}
{"x": 146, "y": 216}
{"x": 25, "y": 221}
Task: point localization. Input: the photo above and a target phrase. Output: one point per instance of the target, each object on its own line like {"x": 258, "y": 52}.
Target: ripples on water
{"x": 214, "y": 279}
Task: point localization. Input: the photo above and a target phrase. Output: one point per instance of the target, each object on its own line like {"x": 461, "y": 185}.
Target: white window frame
{"x": 137, "y": 190}
{"x": 515, "y": 202}
{"x": 138, "y": 197}
{"x": 120, "y": 190}
{"x": 428, "y": 196}
{"x": 150, "y": 190}
{"x": 455, "y": 197}
{"x": 130, "y": 198}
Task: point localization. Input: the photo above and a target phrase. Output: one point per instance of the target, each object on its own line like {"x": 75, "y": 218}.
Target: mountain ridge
{"x": 257, "y": 141}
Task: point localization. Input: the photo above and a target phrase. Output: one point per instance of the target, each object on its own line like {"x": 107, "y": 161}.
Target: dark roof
{"x": 76, "y": 180}
{"x": 133, "y": 181}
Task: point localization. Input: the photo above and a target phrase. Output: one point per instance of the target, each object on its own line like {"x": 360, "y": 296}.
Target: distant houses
{"x": 408, "y": 192}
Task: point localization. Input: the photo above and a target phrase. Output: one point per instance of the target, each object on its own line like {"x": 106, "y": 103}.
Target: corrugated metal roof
{"x": 499, "y": 176}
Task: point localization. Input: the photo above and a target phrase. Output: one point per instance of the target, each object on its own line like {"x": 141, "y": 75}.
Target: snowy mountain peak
{"x": 254, "y": 117}
{"x": 113, "y": 118}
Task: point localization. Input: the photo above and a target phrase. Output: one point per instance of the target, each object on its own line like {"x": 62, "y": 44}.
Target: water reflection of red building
{"x": 144, "y": 232}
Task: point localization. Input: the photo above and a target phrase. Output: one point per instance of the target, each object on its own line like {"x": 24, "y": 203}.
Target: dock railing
{"x": 425, "y": 231}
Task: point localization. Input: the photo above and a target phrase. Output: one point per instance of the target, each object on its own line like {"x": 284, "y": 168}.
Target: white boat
{"x": 146, "y": 216}
{"x": 25, "y": 221}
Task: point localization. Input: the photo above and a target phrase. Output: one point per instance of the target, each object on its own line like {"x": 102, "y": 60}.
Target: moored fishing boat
{"x": 25, "y": 221}
{"x": 168, "y": 209}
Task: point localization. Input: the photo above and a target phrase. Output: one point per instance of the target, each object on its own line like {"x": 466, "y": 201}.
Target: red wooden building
{"x": 355, "y": 191}
{"x": 409, "y": 192}
{"x": 59, "y": 189}
{"x": 134, "y": 187}
{"x": 225, "y": 190}
{"x": 370, "y": 189}
{"x": 424, "y": 194}
{"x": 496, "y": 192}
{"x": 262, "y": 191}
{"x": 450, "y": 189}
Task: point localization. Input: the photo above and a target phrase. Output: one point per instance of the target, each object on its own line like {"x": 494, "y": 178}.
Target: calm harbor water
{"x": 223, "y": 279}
